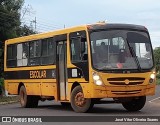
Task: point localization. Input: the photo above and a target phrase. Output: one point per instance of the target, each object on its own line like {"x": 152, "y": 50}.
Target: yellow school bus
{"x": 81, "y": 66}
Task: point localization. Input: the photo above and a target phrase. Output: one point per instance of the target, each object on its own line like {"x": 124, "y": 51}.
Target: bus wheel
{"x": 78, "y": 102}
{"x": 135, "y": 104}
{"x": 26, "y": 100}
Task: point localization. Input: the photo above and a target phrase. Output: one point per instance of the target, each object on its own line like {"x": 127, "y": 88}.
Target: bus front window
{"x": 121, "y": 49}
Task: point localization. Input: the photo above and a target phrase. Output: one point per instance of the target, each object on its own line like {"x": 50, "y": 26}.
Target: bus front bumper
{"x": 123, "y": 91}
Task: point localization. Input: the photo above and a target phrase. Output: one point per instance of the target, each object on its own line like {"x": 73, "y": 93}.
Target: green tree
{"x": 9, "y": 18}
{"x": 25, "y": 31}
{"x": 10, "y": 24}
{"x": 157, "y": 58}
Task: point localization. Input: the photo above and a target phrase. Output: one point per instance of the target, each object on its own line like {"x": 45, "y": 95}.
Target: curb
{"x": 10, "y": 102}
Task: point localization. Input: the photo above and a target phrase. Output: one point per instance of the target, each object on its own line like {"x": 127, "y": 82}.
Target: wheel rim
{"x": 22, "y": 98}
{"x": 80, "y": 100}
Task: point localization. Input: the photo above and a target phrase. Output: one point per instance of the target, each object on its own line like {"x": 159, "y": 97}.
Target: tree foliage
{"x": 10, "y": 24}
{"x": 157, "y": 58}
{"x": 9, "y": 18}
{"x": 25, "y": 30}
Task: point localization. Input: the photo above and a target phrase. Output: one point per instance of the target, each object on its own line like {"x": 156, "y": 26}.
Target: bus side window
{"x": 22, "y": 54}
{"x": 19, "y": 54}
{"x": 78, "y": 45}
{"x": 75, "y": 51}
{"x": 25, "y": 53}
{"x": 35, "y": 52}
{"x": 11, "y": 55}
{"x": 48, "y": 51}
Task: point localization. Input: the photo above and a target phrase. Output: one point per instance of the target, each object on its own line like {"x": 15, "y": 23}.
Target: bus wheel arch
{"x": 19, "y": 86}
{"x": 74, "y": 85}
{"x": 78, "y": 102}
{"x": 27, "y": 101}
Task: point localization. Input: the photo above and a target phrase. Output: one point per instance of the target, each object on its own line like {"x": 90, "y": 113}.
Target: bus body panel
{"x": 45, "y": 87}
{"x": 123, "y": 91}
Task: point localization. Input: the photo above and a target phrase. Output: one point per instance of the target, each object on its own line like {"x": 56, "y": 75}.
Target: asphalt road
{"x": 51, "y": 108}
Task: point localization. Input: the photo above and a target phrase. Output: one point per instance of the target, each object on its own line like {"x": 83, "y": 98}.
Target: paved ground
{"x": 50, "y": 108}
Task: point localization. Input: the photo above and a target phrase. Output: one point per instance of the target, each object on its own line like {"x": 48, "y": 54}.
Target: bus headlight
{"x": 97, "y": 79}
{"x": 152, "y": 77}
{"x": 99, "y": 82}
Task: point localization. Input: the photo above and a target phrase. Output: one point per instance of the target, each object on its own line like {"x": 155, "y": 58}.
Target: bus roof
{"x": 101, "y": 26}
{"x": 97, "y": 26}
{"x": 46, "y": 34}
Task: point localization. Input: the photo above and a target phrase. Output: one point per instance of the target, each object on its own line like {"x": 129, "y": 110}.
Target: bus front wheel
{"x": 27, "y": 101}
{"x": 135, "y": 104}
{"x": 78, "y": 102}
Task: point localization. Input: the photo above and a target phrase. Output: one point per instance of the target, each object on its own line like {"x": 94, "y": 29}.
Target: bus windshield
{"x": 121, "y": 49}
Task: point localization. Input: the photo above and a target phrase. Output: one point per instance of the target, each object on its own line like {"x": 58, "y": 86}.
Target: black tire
{"x": 65, "y": 104}
{"x": 96, "y": 100}
{"x": 87, "y": 105}
{"x": 27, "y": 101}
{"x": 34, "y": 101}
{"x": 135, "y": 104}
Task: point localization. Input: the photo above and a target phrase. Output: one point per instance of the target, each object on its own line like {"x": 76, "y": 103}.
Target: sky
{"x": 57, "y": 14}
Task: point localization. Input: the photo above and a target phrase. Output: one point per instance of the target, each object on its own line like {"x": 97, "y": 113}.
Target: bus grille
{"x": 126, "y": 81}
{"x": 126, "y": 92}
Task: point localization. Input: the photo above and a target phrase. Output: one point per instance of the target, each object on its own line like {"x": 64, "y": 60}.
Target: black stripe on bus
{"x": 31, "y": 74}
{"x": 41, "y": 74}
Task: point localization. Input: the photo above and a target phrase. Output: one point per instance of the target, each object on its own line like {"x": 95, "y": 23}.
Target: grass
{"x": 8, "y": 99}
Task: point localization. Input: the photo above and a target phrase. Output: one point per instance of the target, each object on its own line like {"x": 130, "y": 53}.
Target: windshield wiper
{"x": 133, "y": 55}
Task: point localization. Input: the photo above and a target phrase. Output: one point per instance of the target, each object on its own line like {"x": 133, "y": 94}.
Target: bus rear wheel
{"x": 27, "y": 101}
{"x": 78, "y": 102}
{"x": 135, "y": 104}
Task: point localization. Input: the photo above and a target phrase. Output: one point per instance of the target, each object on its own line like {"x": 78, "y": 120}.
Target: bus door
{"x": 62, "y": 69}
